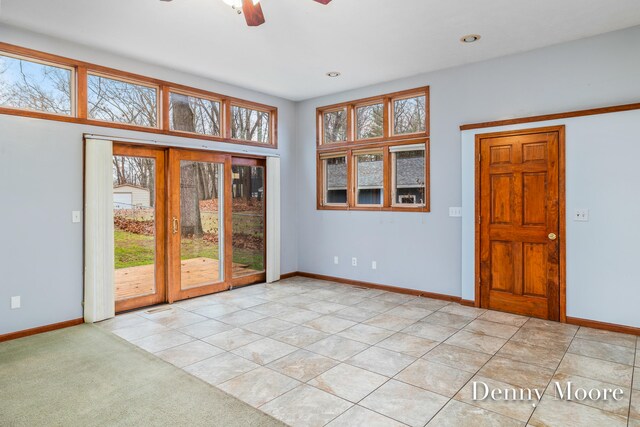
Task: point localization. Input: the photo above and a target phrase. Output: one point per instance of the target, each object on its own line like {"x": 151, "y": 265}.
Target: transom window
{"x": 248, "y": 124}
{"x": 194, "y": 114}
{"x": 373, "y": 154}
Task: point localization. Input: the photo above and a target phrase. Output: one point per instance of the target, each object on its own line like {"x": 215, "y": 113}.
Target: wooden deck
{"x": 138, "y": 281}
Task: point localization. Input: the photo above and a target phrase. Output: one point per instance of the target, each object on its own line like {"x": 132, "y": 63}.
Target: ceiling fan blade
{"x": 252, "y": 13}
{"x": 323, "y": 1}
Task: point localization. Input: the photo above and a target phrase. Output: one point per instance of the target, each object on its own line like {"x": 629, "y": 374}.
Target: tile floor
{"x": 315, "y": 353}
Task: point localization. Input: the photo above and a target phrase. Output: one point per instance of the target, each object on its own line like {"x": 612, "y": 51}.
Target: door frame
{"x": 160, "y": 270}
{"x": 560, "y": 130}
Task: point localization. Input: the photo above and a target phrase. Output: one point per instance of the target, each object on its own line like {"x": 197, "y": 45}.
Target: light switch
{"x": 581, "y": 215}
{"x": 75, "y": 216}
{"x": 455, "y": 212}
{"x": 15, "y": 302}
{"x": 335, "y": 259}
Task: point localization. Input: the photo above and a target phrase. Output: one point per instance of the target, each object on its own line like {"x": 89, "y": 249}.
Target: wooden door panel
{"x": 519, "y": 197}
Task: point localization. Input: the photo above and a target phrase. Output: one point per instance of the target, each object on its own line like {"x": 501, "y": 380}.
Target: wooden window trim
{"x": 372, "y": 151}
{"x": 320, "y": 126}
{"x": 81, "y": 69}
{"x": 385, "y": 118}
{"x": 322, "y": 200}
{"x": 392, "y": 183}
{"x": 166, "y": 113}
{"x": 407, "y": 95}
{"x": 272, "y": 111}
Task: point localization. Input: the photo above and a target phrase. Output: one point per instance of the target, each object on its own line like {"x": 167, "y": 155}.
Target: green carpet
{"x": 84, "y": 376}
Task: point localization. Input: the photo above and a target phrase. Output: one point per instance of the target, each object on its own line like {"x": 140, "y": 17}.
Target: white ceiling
{"x": 369, "y": 41}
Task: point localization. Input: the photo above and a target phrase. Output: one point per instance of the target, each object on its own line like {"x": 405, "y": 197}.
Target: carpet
{"x": 84, "y": 376}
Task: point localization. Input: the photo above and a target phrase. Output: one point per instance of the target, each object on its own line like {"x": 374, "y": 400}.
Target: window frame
{"x": 393, "y": 188}
{"x": 79, "y": 90}
{"x": 193, "y": 94}
{"x": 356, "y": 188}
{"x": 120, "y": 78}
{"x": 352, "y": 146}
{"x": 73, "y": 101}
{"x": 392, "y": 112}
{"x": 323, "y": 179}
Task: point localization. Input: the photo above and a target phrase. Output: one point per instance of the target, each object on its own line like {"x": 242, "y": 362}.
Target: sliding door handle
{"x": 175, "y": 225}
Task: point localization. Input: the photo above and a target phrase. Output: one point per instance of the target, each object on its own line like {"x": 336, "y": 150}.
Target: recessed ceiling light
{"x": 333, "y": 74}
{"x": 470, "y": 38}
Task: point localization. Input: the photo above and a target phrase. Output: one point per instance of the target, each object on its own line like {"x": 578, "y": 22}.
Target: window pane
{"x": 409, "y": 179}
{"x": 409, "y": 115}
{"x": 369, "y": 121}
{"x": 134, "y": 226}
{"x": 335, "y": 180}
{"x": 248, "y": 220}
{"x": 122, "y": 102}
{"x": 335, "y": 126}
{"x": 34, "y": 86}
{"x": 369, "y": 179}
{"x": 250, "y": 125}
{"x": 193, "y": 114}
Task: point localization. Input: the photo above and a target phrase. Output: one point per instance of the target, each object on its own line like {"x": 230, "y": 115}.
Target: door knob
{"x": 175, "y": 225}
{"x": 552, "y": 236}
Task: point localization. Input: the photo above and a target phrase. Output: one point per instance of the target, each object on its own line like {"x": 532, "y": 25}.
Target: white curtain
{"x": 273, "y": 219}
{"x": 99, "y": 299}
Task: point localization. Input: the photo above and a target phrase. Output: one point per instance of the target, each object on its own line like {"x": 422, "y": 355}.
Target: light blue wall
{"x": 424, "y": 251}
{"x": 41, "y": 183}
{"x": 602, "y": 152}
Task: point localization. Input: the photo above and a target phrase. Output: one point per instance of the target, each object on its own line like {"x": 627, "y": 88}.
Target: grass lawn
{"x": 132, "y": 250}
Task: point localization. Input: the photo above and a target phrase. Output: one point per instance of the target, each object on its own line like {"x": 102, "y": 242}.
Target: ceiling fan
{"x": 252, "y": 10}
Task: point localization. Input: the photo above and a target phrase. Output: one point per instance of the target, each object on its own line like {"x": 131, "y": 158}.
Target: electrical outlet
{"x": 581, "y": 215}
{"x": 374, "y": 265}
{"x": 75, "y": 216}
{"x": 455, "y": 212}
{"x": 354, "y": 262}
{"x": 15, "y": 302}
{"x": 335, "y": 260}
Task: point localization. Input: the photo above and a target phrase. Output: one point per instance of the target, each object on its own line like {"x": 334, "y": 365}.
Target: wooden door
{"x": 199, "y": 200}
{"x": 139, "y": 213}
{"x": 520, "y": 222}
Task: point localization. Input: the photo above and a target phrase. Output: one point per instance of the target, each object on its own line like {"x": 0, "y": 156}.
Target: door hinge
{"x": 479, "y": 157}
{"x": 479, "y": 219}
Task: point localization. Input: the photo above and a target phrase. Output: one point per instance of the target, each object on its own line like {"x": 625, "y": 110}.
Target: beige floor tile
{"x": 427, "y": 303}
{"x": 162, "y": 341}
{"x": 216, "y": 310}
{"x": 543, "y": 338}
{"x": 598, "y": 369}
{"x": 429, "y": 331}
{"x": 246, "y": 302}
{"x": 347, "y": 298}
{"x": 356, "y": 314}
{"x": 493, "y": 329}
{"x": 270, "y": 308}
{"x": 395, "y": 298}
{"x": 504, "y": 318}
{"x": 330, "y": 324}
{"x": 381, "y": 361}
{"x": 189, "y": 353}
{"x": 306, "y": 406}
{"x": 448, "y": 319}
{"x": 299, "y": 300}
{"x": 269, "y": 326}
{"x": 140, "y": 330}
{"x": 634, "y": 411}
{"x": 122, "y": 321}
{"x": 377, "y": 305}
{"x": 636, "y": 379}
{"x": 259, "y": 386}
{"x": 463, "y": 310}
{"x": 220, "y": 368}
{"x": 324, "y": 307}
{"x": 337, "y": 347}
{"x": 359, "y": 416}
{"x": 405, "y": 403}
{"x": 608, "y": 337}
{"x": 476, "y": 342}
{"x": 634, "y": 422}
{"x": 205, "y": 329}
{"x": 456, "y": 414}
{"x": 546, "y": 357}
{"x": 601, "y": 350}
{"x": 303, "y": 365}
{"x": 366, "y": 334}
{"x": 348, "y": 382}
{"x": 390, "y": 322}
{"x": 517, "y": 409}
{"x": 435, "y": 377}
{"x": 297, "y": 315}
{"x": 239, "y": 318}
{"x": 551, "y": 326}
{"x": 519, "y": 374}
{"x": 551, "y": 412}
{"x": 457, "y": 357}
{"x": 410, "y": 312}
{"x": 264, "y": 351}
{"x": 559, "y": 387}
{"x": 232, "y": 339}
{"x": 408, "y": 344}
{"x": 181, "y": 318}
{"x": 300, "y": 336}
{"x": 637, "y": 362}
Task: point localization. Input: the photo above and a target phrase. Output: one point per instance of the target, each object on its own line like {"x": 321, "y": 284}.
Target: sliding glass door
{"x": 139, "y": 226}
